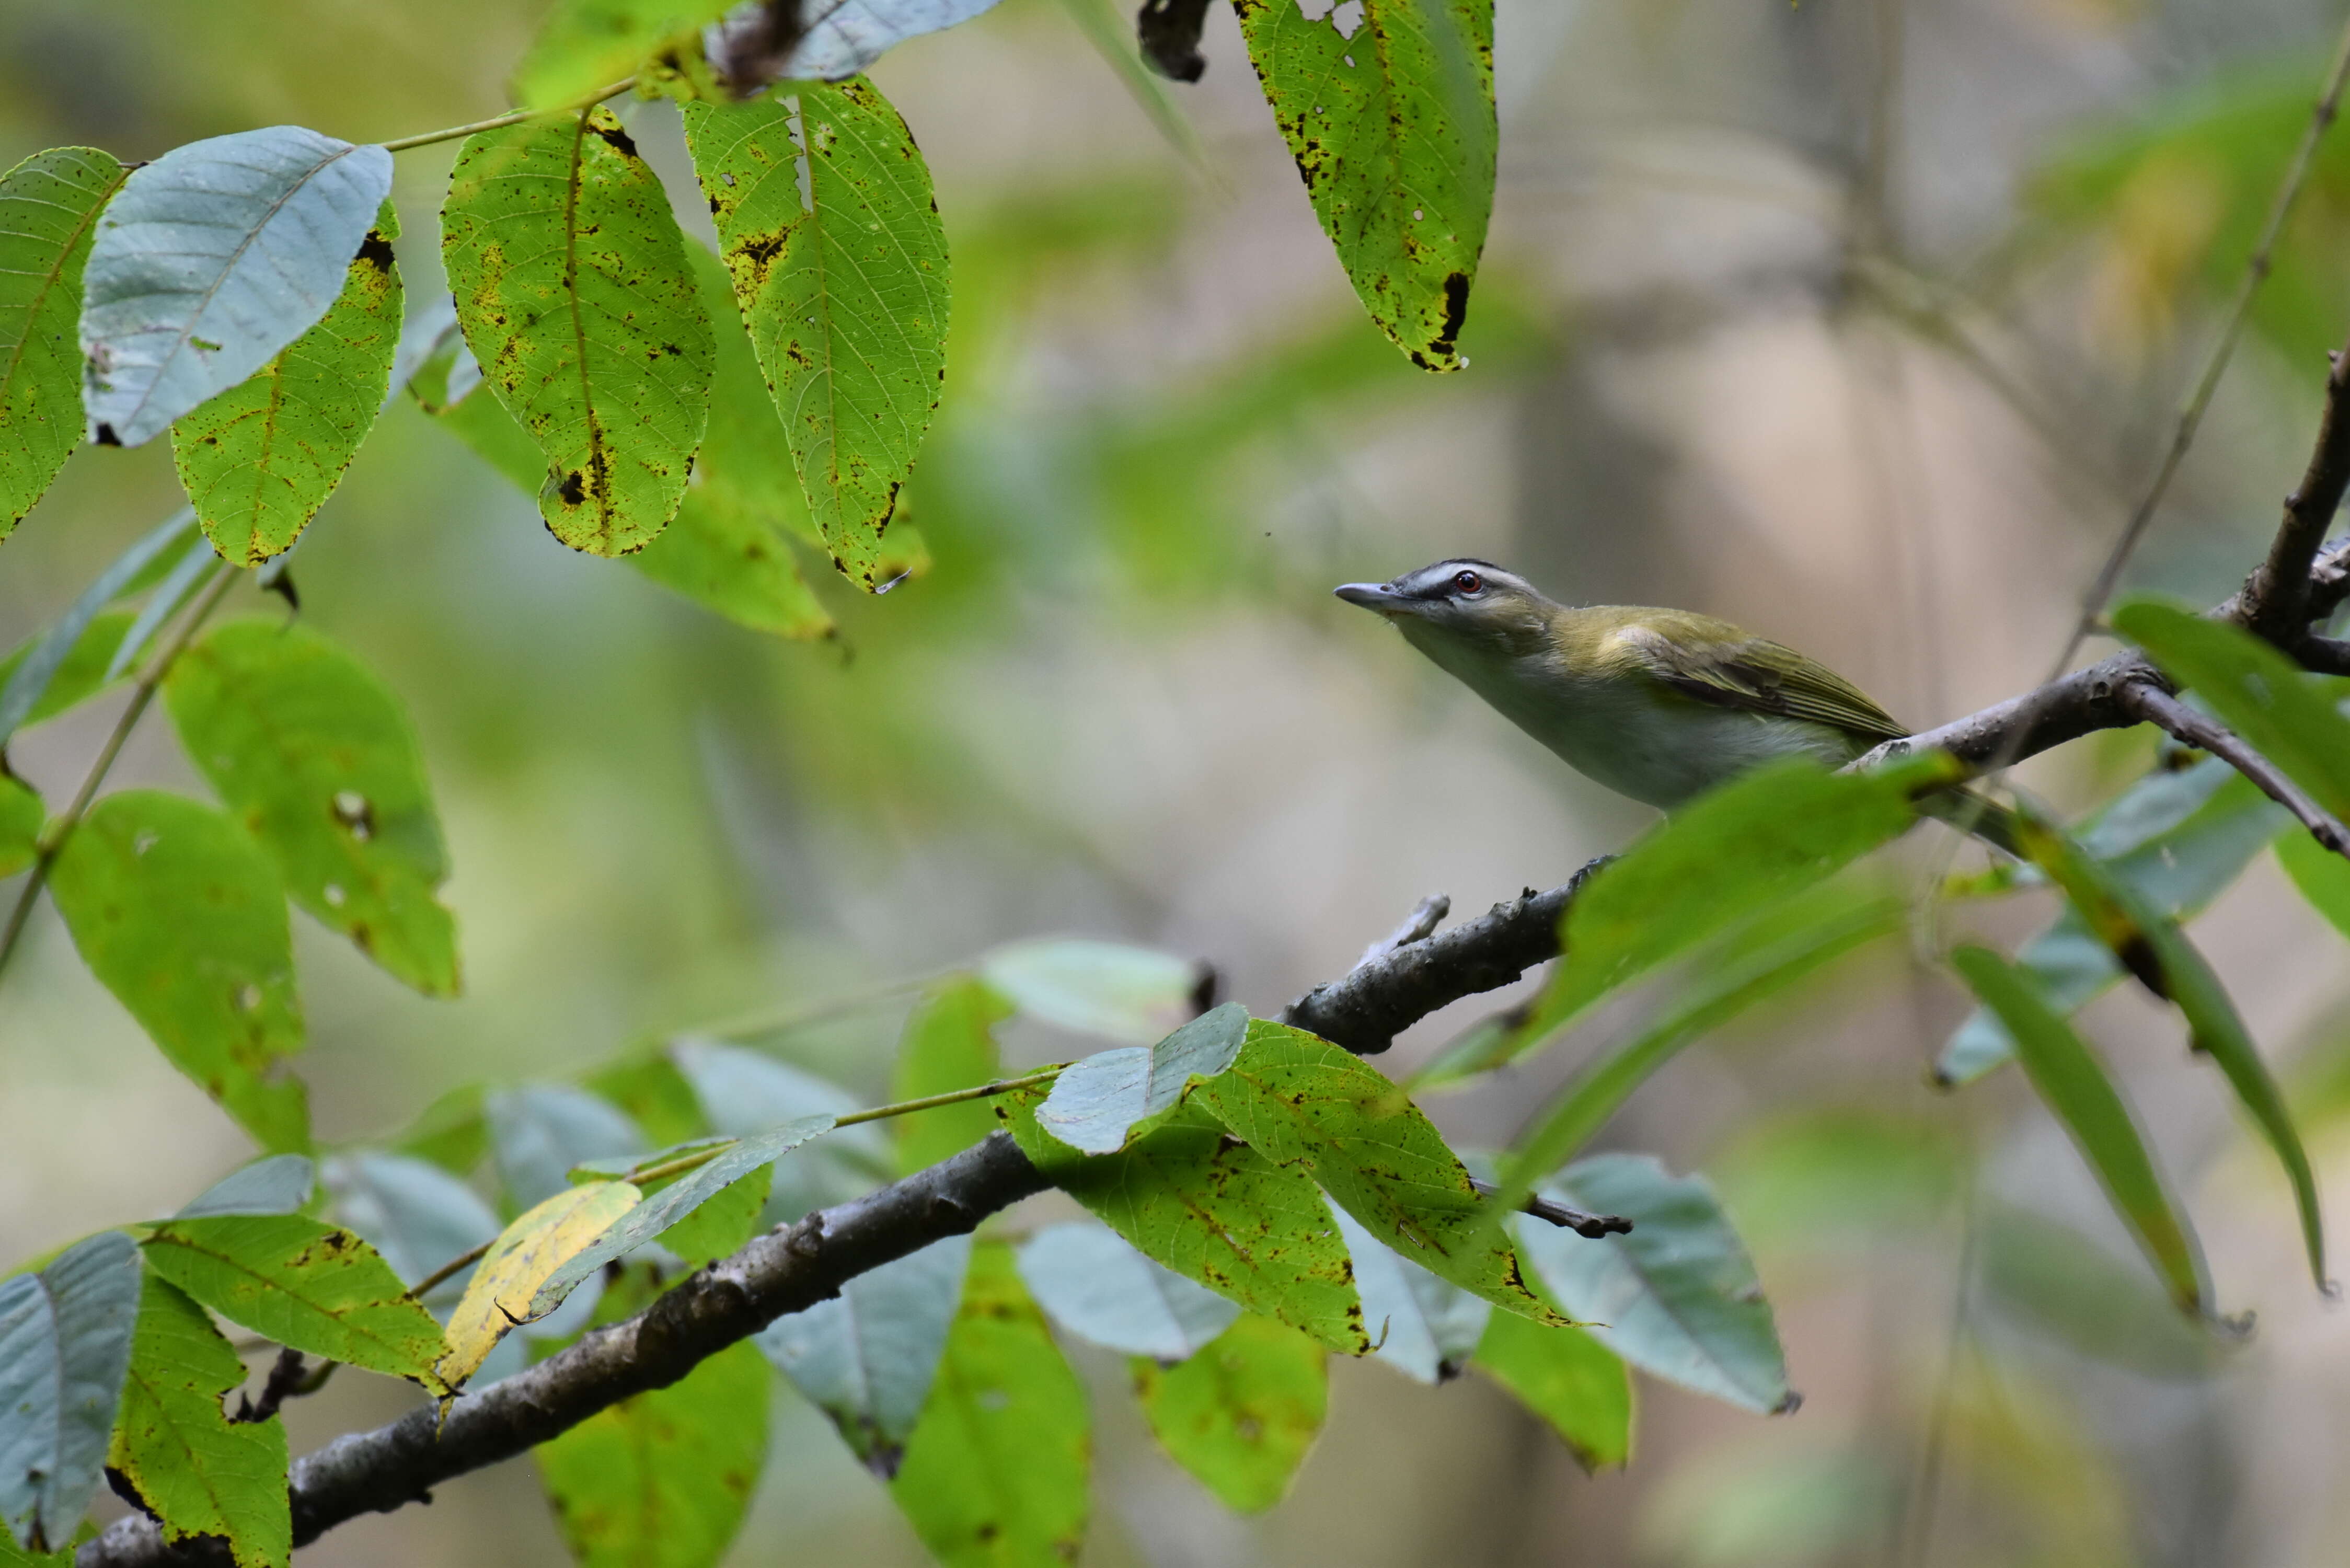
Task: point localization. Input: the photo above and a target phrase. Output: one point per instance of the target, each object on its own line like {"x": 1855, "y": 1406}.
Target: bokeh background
{"x": 1859, "y": 322}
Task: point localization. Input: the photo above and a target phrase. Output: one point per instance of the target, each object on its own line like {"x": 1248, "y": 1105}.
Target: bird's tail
{"x": 1969, "y": 811}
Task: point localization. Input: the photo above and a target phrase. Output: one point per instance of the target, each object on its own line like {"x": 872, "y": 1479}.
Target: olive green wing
{"x": 1714, "y": 663}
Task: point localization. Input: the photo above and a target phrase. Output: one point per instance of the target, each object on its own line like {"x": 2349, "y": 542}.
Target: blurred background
{"x": 1857, "y": 322}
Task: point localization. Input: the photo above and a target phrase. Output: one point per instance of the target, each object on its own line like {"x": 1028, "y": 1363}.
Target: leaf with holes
{"x": 260, "y": 459}
{"x": 195, "y": 1470}
{"x": 519, "y": 1262}
{"x": 50, "y": 205}
{"x": 311, "y": 1286}
{"x": 826, "y": 222}
{"x": 1307, "y": 1105}
{"x": 574, "y": 294}
{"x": 1097, "y": 1287}
{"x": 663, "y": 1478}
{"x": 183, "y": 920}
{"x": 313, "y": 754}
{"x": 1241, "y": 1413}
{"x": 869, "y": 1356}
{"x": 1195, "y": 1198}
{"x": 65, "y": 1342}
{"x": 1392, "y": 127}
{"x": 1678, "y": 1296}
{"x": 1573, "y": 1381}
{"x": 2076, "y": 1089}
{"x": 995, "y": 1473}
{"x": 209, "y": 261}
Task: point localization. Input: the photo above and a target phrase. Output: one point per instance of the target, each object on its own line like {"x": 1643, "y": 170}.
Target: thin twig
{"x": 287, "y": 1376}
{"x": 2159, "y": 708}
{"x": 53, "y": 837}
{"x": 2275, "y": 597}
{"x": 1565, "y": 1216}
{"x": 2191, "y": 416}
{"x": 454, "y": 1266}
{"x": 513, "y": 117}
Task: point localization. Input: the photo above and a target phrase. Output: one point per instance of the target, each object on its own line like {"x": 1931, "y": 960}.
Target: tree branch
{"x": 2159, "y": 708}
{"x": 2276, "y": 598}
{"x": 1392, "y": 990}
{"x": 785, "y": 1271}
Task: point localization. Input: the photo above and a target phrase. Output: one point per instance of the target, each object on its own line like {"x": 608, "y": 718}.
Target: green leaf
{"x": 1305, "y": 1104}
{"x": 744, "y": 1093}
{"x": 869, "y": 1356}
{"x": 1738, "y": 850}
{"x": 584, "y": 44}
{"x": 210, "y": 260}
{"x": 2323, "y": 876}
{"x": 1101, "y": 1289}
{"x": 452, "y": 1132}
{"x": 277, "y": 1185}
{"x": 195, "y": 1470}
{"x": 1713, "y": 997}
{"x": 1419, "y": 1325}
{"x": 2282, "y": 710}
{"x": 518, "y": 1262}
{"x": 49, "y": 210}
{"x": 729, "y": 547}
{"x": 572, "y": 289}
{"x": 647, "y": 1086}
{"x": 827, "y": 223}
{"x": 65, "y": 1342}
{"x": 1109, "y": 989}
{"x": 663, "y": 1478}
{"x": 12, "y": 1556}
{"x": 542, "y": 1132}
{"x": 2180, "y": 839}
{"x": 313, "y": 754}
{"x": 948, "y": 1043}
{"x": 1576, "y": 1385}
{"x": 304, "y": 1284}
{"x": 646, "y": 1220}
{"x": 1097, "y": 1104}
{"x": 28, "y": 681}
{"x": 1201, "y": 1202}
{"x": 2084, "y": 1100}
{"x": 21, "y": 819}
{"x": 1241, "y": 1413}
{"x": 1678, "y": 1296}
{"x": 1392, "y": 127}
{"x": 81, "y": 674}
{"x": 260, "y": 459}
{"x": 181, "y": 918}
{"x": 2153, "y": 947}
{"x": 995, "y": 1473}
{"x": 416, "y": 1214}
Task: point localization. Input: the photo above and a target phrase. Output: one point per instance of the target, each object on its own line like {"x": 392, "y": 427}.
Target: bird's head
{"x": 1460, "y": 606}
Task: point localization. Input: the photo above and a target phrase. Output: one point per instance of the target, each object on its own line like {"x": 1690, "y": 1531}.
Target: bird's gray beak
{"x": 1373, "y": 596}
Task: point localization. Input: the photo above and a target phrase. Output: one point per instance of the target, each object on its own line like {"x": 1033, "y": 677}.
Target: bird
{"x": 1660, "y": 705}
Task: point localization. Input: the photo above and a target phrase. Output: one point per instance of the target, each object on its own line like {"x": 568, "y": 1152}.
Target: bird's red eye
{"x": 1469, "y": 582}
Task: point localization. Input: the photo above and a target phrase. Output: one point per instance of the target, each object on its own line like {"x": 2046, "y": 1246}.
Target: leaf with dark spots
{"x": 996, "y": 1471}
{"x": 567, "y": 267}
{"x": 1393, "y": 130}
{"x": 1214, "y": 1211}
{"x": 303, "y": 1285}
{"x": 843, "y": 290}
{"x": 49, "y": 207}
{"x": 663, "y": 1478}
{"x": 1309, "y": 1106}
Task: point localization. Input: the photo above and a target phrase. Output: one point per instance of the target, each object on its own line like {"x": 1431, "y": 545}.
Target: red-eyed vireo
{"x": 1658, "y": 704}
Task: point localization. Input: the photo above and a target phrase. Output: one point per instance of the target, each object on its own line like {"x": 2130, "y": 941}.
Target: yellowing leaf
{"x": 520, "y": 1261}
